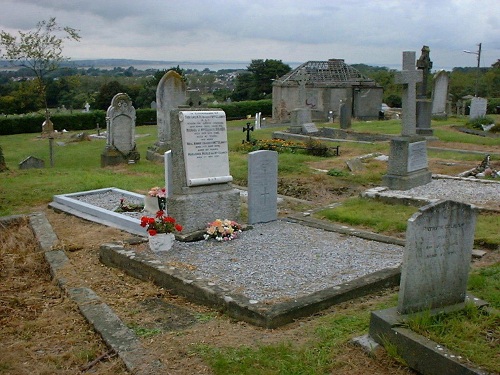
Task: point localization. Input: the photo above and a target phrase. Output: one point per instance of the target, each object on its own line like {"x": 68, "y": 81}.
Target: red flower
{"x": 152, "y": 232}
{"x": 144, "y": 221}
{"x": 159, "y": 213}
{"x": 170, "y": 219}
{"x": 178, "y": 227}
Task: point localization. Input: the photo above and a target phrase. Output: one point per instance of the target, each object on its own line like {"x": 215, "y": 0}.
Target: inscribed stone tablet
{"x": 309, "y": 128}
{"x": 204, "y": 142}
{"x": 417, "y": 156}
{"x": 436, "y": 261}
{"x": 262, "y": 186}
{"x": 122, "y": 133}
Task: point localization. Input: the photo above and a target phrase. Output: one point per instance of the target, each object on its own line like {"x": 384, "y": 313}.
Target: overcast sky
{"x": 358, "y": 31}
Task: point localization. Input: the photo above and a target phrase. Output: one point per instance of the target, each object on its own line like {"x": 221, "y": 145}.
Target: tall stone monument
{"x": 301, "y": 114}
{"x": 120, "y": 132}
{"x": 424, "y": 105}
{"x": 201, "y": 183}
{"x": 440, "y": 94}
{"x": 170, "y": 94}
{"x": 408, "y": 167}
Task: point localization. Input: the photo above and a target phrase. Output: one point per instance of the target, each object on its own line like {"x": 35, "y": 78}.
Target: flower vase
{"x": 151, "y": 204}
{"x": 161, "y": 242}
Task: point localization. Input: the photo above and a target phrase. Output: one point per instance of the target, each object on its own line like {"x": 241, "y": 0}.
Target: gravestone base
{"x": 424, "y": 115}
{"x": 407, "y": 167}
{"x": 195, "y": 211}
{"x": 111, "y": 156}
{"x": 420, "y": 353}
{"x": 156, "y": 152}
{"x": 440, "y": 116}
{"x": 298, "y": 117}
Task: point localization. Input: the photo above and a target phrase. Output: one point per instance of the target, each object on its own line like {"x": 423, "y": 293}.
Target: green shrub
{"x": 317, "y": 148}
{"x": 479, "y": 121}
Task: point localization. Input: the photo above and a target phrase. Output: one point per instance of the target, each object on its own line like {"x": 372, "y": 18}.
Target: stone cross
{"x": 424, "y": 63}
{"x": 409, "y": 77}
{"x": 302, "y": 78}
{"x": 248, "y": 129}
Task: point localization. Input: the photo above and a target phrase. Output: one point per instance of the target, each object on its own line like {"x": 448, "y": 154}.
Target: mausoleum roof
{"x": 334, "y": 72}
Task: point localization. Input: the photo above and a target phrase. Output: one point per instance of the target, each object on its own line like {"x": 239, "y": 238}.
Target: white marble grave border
{"x": 70, "y": 204}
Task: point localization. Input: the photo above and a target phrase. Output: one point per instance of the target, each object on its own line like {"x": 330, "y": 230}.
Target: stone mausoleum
{"x": 325, "y": 85}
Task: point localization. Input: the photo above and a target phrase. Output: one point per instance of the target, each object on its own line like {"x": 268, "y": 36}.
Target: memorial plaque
{"x": 309, "y": 128}
{"x": 204, "y": 141}
{"x": 417, "y": 156}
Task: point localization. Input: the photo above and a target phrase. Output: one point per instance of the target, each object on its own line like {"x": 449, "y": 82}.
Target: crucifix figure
{"x": 409, "y": 77}
{"x": 248, "y": 129}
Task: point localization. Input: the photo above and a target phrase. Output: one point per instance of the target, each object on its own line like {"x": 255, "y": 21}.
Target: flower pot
{"x": 161, "y": 242}
{"x": 151, "y": 204}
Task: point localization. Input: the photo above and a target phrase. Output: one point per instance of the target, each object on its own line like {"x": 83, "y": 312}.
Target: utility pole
{"x": 478, "y": 53}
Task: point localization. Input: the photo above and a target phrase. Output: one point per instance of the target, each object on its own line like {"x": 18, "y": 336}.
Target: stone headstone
{"x": 477, "y": 107}
{"x": 298, "y": 117}
{"x": 344, "y": 115}
{"x": 170, "y": 94}
{"x": 120, "y": 132}
{"x": 258, "y": 117}
{"x": 262, "y": 186}
{"x": 32, "y": 162}
{"x": 309, "y": 128}
{"x": 437, "y": 256}
{"x": 407, "y": 166}
{"x": 152, "y": 105}
{"x": 47, "y": 128}
{"x": 201, "y": 182}
{"x": 440, "y": 94}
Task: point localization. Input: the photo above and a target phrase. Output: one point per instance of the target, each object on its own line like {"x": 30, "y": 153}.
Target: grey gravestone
{"x": 440, "y": 94}
{"x": 120, "y": 132}
{"x": 170, "y": 94}
{"x": 309, "y": 128}
{"x": 478, "y": 107}
{"x": 152, "y": 105}
{"x": 262, "y": 186}
{"x": 32, "y": 163}
{"x": 407, "y": 166}
{"x": 168, "y": 172}
{"x": 47, "y": 127}
{"x": 201, "y": 183}
{"x": 424, "y": 105}
{"x": 301, "y": 114}
{"x": 437, "y": 256}
{"x": 345, "y": 115}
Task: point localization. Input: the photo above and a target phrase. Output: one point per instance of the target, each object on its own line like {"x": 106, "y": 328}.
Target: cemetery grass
{"x": 473, "y": 334}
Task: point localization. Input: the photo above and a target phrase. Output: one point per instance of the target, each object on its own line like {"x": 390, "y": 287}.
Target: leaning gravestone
{"x": 478, "y": 108}
{"x": 31, "y": 162}
{"x": 440, "y": 94}
{"x": 120, "y": 132}
{"x": 201, "y": 183}
{"x": 170, "y": 94}
{"x": 262, "y": 186}
{"x": 408, "y": 166}
{"x": 436, "y": 263}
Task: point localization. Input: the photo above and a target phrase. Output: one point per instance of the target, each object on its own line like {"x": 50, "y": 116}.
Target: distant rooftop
{"x": 331, "y": 72}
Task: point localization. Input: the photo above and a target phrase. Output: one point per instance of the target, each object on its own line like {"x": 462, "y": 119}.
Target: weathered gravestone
{"x": 477, "y": 108}
{"x": 201, "y": 183}
{"x": 120, "y": 132}
{"x": 408, "y": 167}
{"x": 309, "y": 128}
{"x": 345, "y": 114}
{"x": 262, "y": 186}
{"x": 301, "y": 114}
{"x": 424, "y": 105}
{"x": 170, "y": 94}
{"x": 440, "y": 94}
{"x": 31, "y": 162}
{"x": 436, "y": 263}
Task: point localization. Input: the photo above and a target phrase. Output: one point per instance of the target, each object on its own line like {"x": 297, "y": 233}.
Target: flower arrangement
{"x": 222, "y": 230}
{"x": 160, "y": 194}
{"x": 160, "y": 224}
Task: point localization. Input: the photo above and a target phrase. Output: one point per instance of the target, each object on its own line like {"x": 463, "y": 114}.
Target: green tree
{"x": 106, "y": 93}
{"x": 38, "y": 50}
{"x": 257, "y": 83}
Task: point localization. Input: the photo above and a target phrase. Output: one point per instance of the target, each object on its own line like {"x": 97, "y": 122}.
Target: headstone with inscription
{"x": 262, "y": 186}
{"x": 478, "y": 107}
{"x": 120, "y": 132}
{"x": 170, "y": 94}
{"x": 309, "y": 128}
{"x": 436, "y": 263}
{"x": 407, "y": 166}
{"x": 440, "y": 94}
{"x": 201, "y": 182}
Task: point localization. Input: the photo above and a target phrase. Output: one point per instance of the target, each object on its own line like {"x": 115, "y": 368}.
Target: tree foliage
{"x": 256, "y": 82}
{"x": 39, "y": 50}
